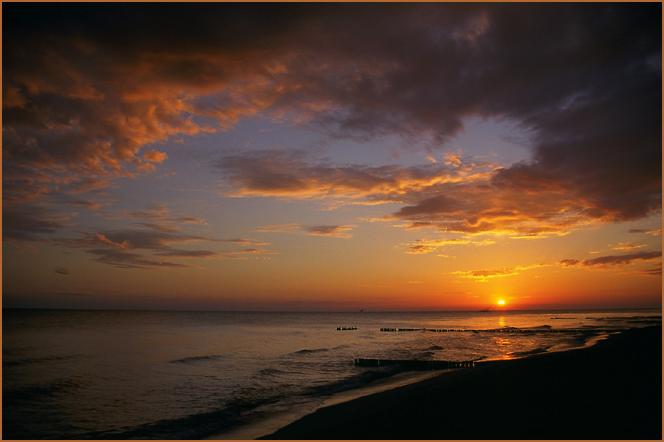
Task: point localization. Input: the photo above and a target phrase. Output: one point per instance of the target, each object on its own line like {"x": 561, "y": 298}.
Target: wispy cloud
{"x": 32, "y": 222}
{"x": 126, "y": 248}
{"x": 249, "y": 252}
{"x": 486, "y": 275}
{"x": 626, "y": 246}
{"x": 245, "y": 242}
{"x": 279, "y": 228}
{"x": 282, "y": 173}
{"x": 424, "y": 246}
{"x": 651, "y": 232}
{"x": 130, "y": 260}
{"x": 613, "y": 260}
{"x": 329, "y": 230}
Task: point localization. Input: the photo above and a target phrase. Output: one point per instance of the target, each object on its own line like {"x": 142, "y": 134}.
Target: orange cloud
{"x": 486, "y": 275}
{"x": 424, "y": 246}
{"x": 651, "y": 232}
{"x": 85, "y": 103}
{"x": 327, "y": 230}
{"x": 626, "y": 246}
{"x": 280, "y": 173}
{"x": 334, "y": 231}
{"x": 613, "y": 260}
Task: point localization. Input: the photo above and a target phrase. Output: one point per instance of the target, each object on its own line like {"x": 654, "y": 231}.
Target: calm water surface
{"x": 139, "y": 374}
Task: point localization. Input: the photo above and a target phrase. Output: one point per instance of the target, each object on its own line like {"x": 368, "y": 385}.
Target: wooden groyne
{"x": 437, "y": 330}
{"x": 509, "y": 330}
{"x": 342, "y": 328}
{"x": 413, "y": 364}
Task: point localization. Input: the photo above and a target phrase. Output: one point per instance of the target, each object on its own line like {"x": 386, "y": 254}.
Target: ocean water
{"x": 148, "y": 374}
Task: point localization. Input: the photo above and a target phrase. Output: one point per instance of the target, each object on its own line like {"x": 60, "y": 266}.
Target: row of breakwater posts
{"x": 413, "y": 364}
{"x": 542, "y": 329}
{"x": 489, "y": 330}
{"x": 435, "y": 330}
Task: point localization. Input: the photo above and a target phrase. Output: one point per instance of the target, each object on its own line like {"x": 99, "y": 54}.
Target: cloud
{"x": 486, "y": 275}
{"x": 187, "y": 253}
{"x": 87, "y": 103}
{"x": 570, "y": 262}
{"x": 465, "y": 196}
{"x": 248, "y": 252}
{"x": 622, "y": 259}
{"x": 138, "y": 248}
{"x": 334, "y": 231}
{"x": 613, "y": 260}
{"x": 161, "y": 213}
{"x": 31, "y": 223}
{"x": 160, "y": 218}
{"x": 84, "y": 203}
{"x": 245, "y": 242}
{"x": 145, "y": 247}
{"x": 485, "y": 207}
{"x": 651, "y": 232}
{"x": 626, "y": 246}
{"x": 278, "y": 228}
{"x": 130, "y": 260}
{"x": 653, "y": 271}
{"x": 329, "y": 230}
{"x": 425, "y": 246}
{"x": 286, "y": 173}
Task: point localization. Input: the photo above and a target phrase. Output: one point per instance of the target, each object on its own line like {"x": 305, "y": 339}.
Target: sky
{"x": 332, "y": 157}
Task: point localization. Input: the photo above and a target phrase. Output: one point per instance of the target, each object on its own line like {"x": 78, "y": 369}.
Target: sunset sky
{"x": 332, "y": 157}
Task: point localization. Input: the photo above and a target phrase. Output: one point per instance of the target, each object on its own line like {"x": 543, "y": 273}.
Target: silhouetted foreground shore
{"x": 609, "y": 391}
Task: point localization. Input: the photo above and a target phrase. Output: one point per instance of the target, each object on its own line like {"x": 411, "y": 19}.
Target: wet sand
{"x": 612, "y": 390}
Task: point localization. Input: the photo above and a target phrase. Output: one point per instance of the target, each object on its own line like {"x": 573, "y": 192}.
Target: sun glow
{"x": 501, "y": 302}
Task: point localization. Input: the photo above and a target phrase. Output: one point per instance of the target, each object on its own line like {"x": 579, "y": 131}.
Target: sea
{"x": 73, "y": 374}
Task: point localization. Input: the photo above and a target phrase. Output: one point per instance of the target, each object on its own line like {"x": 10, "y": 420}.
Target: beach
{"x": 612, "y": 390}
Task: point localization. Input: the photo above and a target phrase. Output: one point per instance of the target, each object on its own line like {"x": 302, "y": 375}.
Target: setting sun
{"x": 501, "y": 302}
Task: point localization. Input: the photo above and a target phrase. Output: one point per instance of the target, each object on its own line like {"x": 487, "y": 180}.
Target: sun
{"x": 501, "y": 302}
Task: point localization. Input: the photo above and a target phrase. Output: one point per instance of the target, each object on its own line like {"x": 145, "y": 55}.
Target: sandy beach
{"x": 609, "y": 391}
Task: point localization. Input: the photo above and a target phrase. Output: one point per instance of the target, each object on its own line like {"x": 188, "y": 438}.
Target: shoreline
{"x": 554, "y": 395}
{"x": 262, "y": 428}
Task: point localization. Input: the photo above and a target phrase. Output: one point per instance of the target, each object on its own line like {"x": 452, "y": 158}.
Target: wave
{"x": 534, "y": 351}
{"x": 237, "y": 412}
{"x": 26, "y": 361}
{"x": 627, "y": 318}
{"x": 38, "y": 392}
{"x": 196, "y": 359}
{"x": 270, "y": 372}
{"x": 306, "y": 351}
{"x": 644, "y": 320}
{"x": 356, "y": 381}
{"x": 193, "y": 426}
